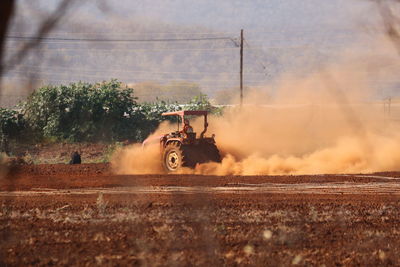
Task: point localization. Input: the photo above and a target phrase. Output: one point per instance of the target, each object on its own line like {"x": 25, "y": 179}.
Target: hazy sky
{"x": 223, "y": 15}
{"x": 281, "y": 36}
{"x": 233, "y": 15}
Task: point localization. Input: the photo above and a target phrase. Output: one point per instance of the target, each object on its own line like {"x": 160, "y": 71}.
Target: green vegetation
{"x": 12, "y": 124}
{"x": 84, "y": 112}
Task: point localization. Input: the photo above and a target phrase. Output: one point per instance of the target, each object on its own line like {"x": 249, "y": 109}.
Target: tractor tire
{"x": 176, "y": 156}
{"x": 173, "y": 157}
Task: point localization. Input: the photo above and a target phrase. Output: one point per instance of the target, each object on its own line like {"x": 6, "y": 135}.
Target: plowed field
{"x": 85, "y": 215}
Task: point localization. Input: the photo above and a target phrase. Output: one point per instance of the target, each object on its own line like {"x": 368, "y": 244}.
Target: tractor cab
{"x": 185, "y": 132}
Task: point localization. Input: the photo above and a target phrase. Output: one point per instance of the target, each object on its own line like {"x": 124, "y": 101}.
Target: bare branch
{"x": 43, "y": 31}
{"x": 6, "y": 12}
{"x": 391, "y": 22}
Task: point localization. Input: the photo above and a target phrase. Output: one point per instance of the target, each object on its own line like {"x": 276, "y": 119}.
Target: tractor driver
{"x": 187, "y": 128}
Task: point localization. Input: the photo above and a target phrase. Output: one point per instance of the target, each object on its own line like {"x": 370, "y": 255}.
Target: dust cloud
{"x": 138, "y": 159}
{"x": 332, "y": 120}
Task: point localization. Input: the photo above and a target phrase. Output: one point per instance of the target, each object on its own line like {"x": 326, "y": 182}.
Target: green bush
{"x": 201, "y": 102}
{"x": 12, "y": 127}
{"x": 83, "y": 112}
{"x": 11, "y": 123}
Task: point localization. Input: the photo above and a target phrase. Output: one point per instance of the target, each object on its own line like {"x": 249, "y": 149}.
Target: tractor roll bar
{"x": 184, "y": 113}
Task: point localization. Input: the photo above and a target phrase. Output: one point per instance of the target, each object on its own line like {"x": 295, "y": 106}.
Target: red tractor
{"x": 183, "y": 148}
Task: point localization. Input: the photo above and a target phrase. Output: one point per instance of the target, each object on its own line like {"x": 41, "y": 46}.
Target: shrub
{"x": 12, "y": 126}
{"x": 83, "y": 111}
{"x": 201, "y": 102}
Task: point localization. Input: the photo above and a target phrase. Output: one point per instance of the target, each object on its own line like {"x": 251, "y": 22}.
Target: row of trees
{"x": 81, "y": 111}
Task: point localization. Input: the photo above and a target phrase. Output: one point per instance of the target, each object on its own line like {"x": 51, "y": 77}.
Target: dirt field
{"x": 85, "y": 215}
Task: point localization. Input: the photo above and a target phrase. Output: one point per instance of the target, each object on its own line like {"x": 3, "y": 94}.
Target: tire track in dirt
{"x": 391, "y": 188}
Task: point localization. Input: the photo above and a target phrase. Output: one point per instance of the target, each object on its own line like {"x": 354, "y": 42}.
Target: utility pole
{"x": 241, "y": 68}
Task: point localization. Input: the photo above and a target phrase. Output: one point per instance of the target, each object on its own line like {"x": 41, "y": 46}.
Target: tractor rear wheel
{"x": 172, "y": 157}
{"x": 176, "y": 156}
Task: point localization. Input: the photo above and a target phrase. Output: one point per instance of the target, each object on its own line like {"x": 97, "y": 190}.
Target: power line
{"x": 302, "y": 31}
{"x": 138, "y": 79}
{"x": 13, "y": 37}
{"x": 147, "y": 79}
{"x": 258, "y": 59}
{"x": 58, "y": 49}
{"x": 131, "y": 33}
{"x": 129, "y": 49}
{"x": 258, "y": 32}
{"x": 37, "y": 68}
{"x": 206, "y": 82}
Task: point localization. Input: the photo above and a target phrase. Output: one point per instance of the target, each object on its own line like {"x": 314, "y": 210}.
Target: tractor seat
{"x": 191, "y": 135}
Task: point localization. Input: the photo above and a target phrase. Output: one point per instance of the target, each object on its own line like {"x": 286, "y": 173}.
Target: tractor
{"x": 183, "y": 148}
